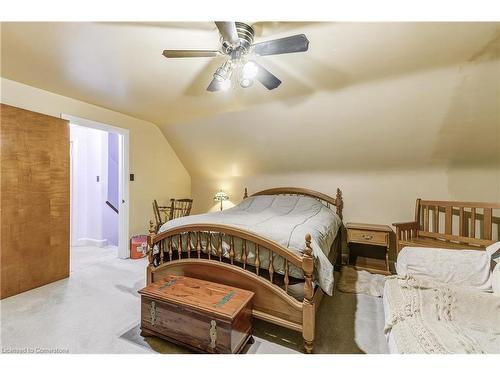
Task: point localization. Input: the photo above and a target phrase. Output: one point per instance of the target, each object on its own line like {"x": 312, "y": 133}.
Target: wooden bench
{"x": 451, "y": 225}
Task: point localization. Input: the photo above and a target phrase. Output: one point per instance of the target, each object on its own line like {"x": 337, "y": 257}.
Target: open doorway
{"x": 99, "y": 192}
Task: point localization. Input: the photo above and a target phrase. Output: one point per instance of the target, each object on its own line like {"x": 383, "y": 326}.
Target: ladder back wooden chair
{"x": 177, "y": 208}
{"x": 161, "y": 214}
{"x": 180, "y": 207}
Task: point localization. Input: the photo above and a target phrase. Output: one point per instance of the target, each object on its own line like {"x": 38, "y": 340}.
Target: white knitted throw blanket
{"x": 428, "y": 317}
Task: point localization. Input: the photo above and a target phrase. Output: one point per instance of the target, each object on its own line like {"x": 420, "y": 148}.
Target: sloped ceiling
{"x": 365, "y": 95}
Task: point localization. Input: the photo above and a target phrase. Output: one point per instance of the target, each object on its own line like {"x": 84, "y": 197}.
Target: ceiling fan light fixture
{"x": 250, "y": 70}
{"x": 246, "y": 82}
{"x": 218, "y": 75}
{"x": 237, "y": 45}
{"x": 223, "y": 72}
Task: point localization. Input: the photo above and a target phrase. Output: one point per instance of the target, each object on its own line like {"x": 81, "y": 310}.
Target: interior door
{"x": 35, "y": 194}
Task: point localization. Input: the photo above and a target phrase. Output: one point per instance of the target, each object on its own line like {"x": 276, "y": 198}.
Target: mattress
{"x": 283, "y": 219}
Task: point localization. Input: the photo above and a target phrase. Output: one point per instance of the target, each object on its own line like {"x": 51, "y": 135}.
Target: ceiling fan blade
{"x": 290, "y": 44}
{"x": 172, "y": 53}
{"x": 268, "y": 79}
{"x": 228, "y": 32}
{"x": 214, "y": 86}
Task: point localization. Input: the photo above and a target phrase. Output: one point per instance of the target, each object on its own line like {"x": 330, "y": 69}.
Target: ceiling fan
{"x": 237, "y": 45}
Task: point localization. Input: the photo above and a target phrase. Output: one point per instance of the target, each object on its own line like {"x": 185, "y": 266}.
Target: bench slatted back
{"x": 472, "y": 223}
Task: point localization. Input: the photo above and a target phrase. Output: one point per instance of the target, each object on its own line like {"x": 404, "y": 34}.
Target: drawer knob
{"x": 367, "y": 236}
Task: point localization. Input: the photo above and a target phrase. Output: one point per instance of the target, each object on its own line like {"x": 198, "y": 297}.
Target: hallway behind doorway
{"x": 94, "y": 194}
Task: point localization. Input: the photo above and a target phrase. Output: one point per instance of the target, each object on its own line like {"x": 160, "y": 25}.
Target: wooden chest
{"x": 204, "y": 316}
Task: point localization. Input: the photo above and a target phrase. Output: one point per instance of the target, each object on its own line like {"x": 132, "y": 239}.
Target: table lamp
{"x": 221, "y": 196}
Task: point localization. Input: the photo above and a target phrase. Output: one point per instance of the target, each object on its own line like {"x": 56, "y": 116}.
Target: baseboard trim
{"x": 91, "y": 242}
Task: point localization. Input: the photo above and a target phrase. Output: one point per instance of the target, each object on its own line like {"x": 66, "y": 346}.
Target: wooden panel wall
{"x": 34, "y": 211}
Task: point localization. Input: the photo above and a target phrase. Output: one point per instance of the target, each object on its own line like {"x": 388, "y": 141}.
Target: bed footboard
{"x": 207, "y": 252}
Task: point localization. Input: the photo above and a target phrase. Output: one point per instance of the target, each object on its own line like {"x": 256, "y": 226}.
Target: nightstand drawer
{"x": 363, "y": 236}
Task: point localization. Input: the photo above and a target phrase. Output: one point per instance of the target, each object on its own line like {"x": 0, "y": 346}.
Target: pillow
{"x": 494, "y": 251}
{"x": 468, "y": 268}
{"x": 495, "y": 279}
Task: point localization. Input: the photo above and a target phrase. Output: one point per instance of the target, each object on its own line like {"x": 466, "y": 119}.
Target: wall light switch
{"x": 97, "y": 179}
{"x": 131, "y": 177}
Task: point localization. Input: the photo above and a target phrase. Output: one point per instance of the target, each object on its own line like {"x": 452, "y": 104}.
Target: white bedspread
{"x": 285, "y": 220}
{"x": 468, "y": 268}
{"x": 423, "y": 316}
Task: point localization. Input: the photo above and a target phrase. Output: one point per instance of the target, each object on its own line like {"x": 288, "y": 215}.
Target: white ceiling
{"x": 356, "y": 95}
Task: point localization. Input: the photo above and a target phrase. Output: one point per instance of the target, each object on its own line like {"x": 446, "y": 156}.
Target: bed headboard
{"x": 325, "y": 199}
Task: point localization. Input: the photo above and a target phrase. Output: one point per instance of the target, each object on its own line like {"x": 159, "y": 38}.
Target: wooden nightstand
{"x": 370, "y": 234}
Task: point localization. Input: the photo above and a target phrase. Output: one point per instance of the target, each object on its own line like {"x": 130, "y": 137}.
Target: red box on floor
{"x": 138, "y": 246}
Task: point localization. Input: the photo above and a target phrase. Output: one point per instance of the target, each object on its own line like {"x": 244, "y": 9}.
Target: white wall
{"x": 89, "y": 211}
{"x": 372, "y": 196}
{"x": 431, "y": 134}
{"x": 159, "y": 174}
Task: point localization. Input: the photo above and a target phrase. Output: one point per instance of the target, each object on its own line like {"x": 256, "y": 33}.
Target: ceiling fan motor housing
{"x": 245, "y": 34}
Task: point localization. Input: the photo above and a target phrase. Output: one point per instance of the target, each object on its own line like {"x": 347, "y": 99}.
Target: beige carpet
{"x": 360, "y": 282}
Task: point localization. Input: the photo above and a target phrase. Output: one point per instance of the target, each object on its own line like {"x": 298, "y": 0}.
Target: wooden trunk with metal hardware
{"x": 204, "y": 316}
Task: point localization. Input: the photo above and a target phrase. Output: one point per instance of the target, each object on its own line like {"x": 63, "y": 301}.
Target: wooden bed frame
{"x": 272, "y": 302}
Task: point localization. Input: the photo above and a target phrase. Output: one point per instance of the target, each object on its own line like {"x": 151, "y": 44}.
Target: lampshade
{"x": 221, "y": 196}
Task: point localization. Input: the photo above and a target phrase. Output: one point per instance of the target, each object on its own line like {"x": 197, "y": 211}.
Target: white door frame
{"x": 123, "y": 193}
